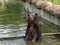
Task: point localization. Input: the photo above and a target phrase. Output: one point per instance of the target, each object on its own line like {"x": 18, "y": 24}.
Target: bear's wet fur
{"x": 33, "y": 32}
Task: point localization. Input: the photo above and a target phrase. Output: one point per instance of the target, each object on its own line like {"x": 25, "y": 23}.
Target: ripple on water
{"x": 11, "y": 31}
{"x": 16, "y": 31}
{"x": 13, "y": 42}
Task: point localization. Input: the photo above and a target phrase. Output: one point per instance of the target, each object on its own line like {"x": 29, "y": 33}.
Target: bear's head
{"x": 32, "y": 16}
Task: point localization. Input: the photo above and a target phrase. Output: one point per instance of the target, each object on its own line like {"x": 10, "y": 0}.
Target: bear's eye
{"x": 35, "y": 13}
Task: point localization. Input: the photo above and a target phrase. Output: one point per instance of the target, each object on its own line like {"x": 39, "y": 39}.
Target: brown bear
{"x": 33, "y": 31}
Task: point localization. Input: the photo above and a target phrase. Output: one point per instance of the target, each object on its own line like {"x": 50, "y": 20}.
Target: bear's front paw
{"x": 40, "y": 39}
{"x": 33, "y": 40}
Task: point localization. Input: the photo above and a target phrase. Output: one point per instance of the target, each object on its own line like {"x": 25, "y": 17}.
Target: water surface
{"x": 7, "y": 31}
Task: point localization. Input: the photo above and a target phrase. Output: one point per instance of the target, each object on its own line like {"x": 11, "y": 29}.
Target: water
{"x": 11, "y": 31}
{"x": 15, "y": 32}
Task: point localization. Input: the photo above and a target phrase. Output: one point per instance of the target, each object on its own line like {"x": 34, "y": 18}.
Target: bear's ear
{"x": 36, "y": 14}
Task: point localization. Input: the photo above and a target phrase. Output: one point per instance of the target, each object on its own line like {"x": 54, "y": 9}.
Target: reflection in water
{"x": 11, "y": 31}
{"x": 13, "y": 42}
{"x": 14, "y": 31}
{"x": 7, "y": 31}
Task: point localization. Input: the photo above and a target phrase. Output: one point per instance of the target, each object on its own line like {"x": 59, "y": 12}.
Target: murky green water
{"x": 7, "y": 31}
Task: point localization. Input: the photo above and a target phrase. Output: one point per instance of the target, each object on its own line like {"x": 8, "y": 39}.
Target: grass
{"x": 12, "y": 13}
{"x": 55, "y": 1}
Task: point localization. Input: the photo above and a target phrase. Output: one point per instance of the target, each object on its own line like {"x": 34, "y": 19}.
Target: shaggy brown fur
{"x": 33, "y": 32}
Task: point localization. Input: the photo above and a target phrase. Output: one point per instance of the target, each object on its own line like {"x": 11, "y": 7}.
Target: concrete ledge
{"x": 50, "y": 34}
{"x": 22, "y": 36}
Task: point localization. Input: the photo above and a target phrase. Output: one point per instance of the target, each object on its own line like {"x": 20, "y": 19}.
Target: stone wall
{"x": 47, "y": 16}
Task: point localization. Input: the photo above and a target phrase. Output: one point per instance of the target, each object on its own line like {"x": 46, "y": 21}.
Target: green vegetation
{"x": 55, "y": 1}
{"x": 12, "y": 13}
